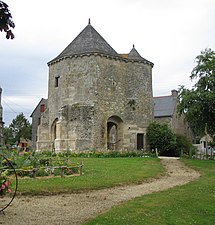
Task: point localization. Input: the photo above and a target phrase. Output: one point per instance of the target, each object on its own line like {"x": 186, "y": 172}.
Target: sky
{"x": 169, "y": 33}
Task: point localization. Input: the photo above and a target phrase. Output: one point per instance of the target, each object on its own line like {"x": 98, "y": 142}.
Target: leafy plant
{"x": 160, "y": 136}
{"x": 184, "y": 146}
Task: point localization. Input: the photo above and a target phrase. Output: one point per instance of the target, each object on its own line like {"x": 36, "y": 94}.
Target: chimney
{"x": 174, "y": 93}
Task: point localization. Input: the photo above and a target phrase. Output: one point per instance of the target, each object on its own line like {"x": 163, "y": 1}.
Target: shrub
{"x": 160, "y": 136}
{"x": 44, "y": 162}
{"x": 184, "y": 146}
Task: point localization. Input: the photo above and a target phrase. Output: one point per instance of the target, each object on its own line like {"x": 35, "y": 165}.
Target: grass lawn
{"x": 193, "y": 203}
{"x": 98, "y": 173}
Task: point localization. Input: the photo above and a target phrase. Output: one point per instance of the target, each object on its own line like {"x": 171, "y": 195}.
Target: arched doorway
{"x": 114, "y": 133}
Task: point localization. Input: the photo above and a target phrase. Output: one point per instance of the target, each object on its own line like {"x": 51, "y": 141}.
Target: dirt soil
{"x": 69, "y": 209}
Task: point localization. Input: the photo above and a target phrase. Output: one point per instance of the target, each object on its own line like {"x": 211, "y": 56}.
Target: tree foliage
{"x": 183, "y": 145}
{"x": 19, "y": 128}
{"x": 198, "y": 104}
{"x": 8, "y": 136}
{"x": 6, "y": 22}
{"x": 160, "y": 136}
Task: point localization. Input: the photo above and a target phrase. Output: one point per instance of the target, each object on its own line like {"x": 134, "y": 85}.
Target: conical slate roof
{"x": 133, "y": 54}
{"x": 88, "y": 41}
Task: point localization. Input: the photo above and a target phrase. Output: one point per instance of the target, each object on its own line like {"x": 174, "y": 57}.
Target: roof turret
{"x": 88, "y": 41}
{"x": 133, "y": 54}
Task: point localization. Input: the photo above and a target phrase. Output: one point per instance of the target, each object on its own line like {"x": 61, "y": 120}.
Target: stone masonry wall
{"x": 93, "y": 88}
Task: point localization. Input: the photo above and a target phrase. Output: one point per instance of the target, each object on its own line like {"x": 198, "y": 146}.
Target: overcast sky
{"x": 169, "y": 33}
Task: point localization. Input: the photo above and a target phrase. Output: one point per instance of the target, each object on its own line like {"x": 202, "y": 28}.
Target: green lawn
{"x": 98, "y": 173}
{"x": 193, "y": 203}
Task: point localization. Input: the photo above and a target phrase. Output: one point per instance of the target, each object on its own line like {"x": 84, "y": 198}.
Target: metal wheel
{"x": 8, "y": 182}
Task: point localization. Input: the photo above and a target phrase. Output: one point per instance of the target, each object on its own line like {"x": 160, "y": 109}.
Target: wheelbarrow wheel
{"x": 8, "y": 182}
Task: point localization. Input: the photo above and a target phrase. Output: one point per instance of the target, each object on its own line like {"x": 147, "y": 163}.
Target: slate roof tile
{"x": 88, "y": 41}
{"x": 164, "y": 106}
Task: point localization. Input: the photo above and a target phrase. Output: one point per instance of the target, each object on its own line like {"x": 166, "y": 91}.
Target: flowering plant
{"x": 4, "y": 183}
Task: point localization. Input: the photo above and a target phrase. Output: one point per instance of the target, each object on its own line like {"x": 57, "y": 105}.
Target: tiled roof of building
{"x": 165, "y": 105}
{"x": 88, "y": 41}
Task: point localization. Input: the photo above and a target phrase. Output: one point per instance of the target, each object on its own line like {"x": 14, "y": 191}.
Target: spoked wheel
{"x": 8, "y": 182}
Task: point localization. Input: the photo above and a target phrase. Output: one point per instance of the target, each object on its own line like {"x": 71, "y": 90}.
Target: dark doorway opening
{"x": 114, "y": 133}
{"x": 140, "y": 141}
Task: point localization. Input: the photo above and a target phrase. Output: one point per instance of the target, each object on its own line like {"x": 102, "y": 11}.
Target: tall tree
{"x": 198, "y": 104}
{"x": 21, "y": 128}
{"x": 6, "y": 22}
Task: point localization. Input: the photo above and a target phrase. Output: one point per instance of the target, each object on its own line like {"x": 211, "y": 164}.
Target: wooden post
{"x": 156, "y": 152}
{"x": 34, "y": 170}
{"x": 81, "y": 168}
{"x": 181, "y": 153}
{"x": 62, "y": 170}
{"x": 206, "y": 140}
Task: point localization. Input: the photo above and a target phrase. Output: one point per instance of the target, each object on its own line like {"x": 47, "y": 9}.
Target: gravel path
{"x": 69, "y": 209}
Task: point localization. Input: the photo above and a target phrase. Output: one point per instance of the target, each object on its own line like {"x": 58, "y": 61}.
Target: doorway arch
{"x": 114, "y": 133}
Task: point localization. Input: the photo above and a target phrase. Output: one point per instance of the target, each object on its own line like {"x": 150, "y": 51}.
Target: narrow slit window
{"x": 57, "y": 81}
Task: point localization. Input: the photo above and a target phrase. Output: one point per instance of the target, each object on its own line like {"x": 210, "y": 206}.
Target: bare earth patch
{"x": 69, "y": 209}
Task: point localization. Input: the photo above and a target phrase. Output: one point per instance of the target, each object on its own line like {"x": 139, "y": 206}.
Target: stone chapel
{"x": 97, "y": 98}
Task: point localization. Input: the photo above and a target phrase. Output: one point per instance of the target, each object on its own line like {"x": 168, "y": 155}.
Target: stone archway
{"x": 114, "y": 133}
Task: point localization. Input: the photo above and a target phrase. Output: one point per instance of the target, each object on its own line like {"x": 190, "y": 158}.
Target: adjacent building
{"x": 165, "y": 111}
{"x": 36, "y": 119}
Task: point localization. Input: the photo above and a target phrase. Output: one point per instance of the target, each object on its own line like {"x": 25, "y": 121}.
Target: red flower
{"x": 7, "y": 183}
